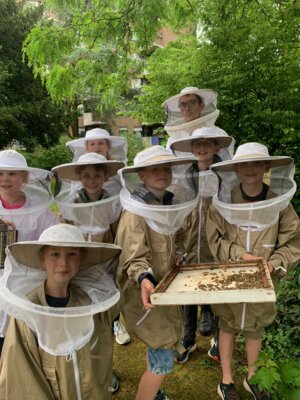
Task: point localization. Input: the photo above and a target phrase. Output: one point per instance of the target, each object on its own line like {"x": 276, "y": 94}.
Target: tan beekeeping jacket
{"x": 279, "y": 244}
{"x": 28, "y": 372}
{"x": 145, "y": 249}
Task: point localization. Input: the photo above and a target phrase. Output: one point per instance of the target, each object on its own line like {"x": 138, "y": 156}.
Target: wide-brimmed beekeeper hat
{"x": 208, "y": 96}
{"x": 249, "y": 152}
{"x": 211, "y": 132}
{"x": 63, "y": 235}
{"x": 97, "y": 134}
{"x": 69, "y": 171}
{"x": 156, "y": 155}
{"x": 11, "y": 160}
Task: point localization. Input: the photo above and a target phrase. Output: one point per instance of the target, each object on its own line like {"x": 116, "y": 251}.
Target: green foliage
{"x": 135, "y": 144}
{"x": 47, "y": 158}
{"x": 26, "y": 111}
{"x": 279, "y": 365}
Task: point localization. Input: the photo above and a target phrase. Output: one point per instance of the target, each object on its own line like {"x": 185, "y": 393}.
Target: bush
{"x": 49, "y": 158}
{"x": 279, "y": 365}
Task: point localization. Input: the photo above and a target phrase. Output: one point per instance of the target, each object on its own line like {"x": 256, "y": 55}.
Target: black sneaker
{"x": 189, "y": 348}
{"x": 161, "y": 396}
{"x": 214, "y": 352}
{"x": 206, "y": 321}
{"x": 255, "y": 391}
{"x": 228, "y": 392}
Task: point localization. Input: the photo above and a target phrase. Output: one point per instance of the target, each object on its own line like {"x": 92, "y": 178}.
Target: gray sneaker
{"x": 114, "y": 383}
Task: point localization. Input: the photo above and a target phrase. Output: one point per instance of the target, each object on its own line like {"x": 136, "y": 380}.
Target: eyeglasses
{"x": 188, "y": 104}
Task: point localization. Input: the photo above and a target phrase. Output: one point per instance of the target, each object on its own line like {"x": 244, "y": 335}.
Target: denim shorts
{"x": 161, "y": 361}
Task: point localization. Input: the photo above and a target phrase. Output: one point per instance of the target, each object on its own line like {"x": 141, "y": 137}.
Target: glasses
{"x": 188, "y": 104}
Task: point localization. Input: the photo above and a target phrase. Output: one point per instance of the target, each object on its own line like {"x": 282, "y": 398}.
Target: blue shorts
{"x": 161, "y": 361}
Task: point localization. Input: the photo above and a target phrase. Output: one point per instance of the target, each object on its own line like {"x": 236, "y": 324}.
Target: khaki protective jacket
{"x": 279, "y": 244}
{"x": 192, "y": 235}
{"x": 28, "y": 372}
{"x": 145, "y": 250}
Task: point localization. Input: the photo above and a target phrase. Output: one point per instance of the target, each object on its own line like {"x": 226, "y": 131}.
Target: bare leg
{"x": 226, "y": 350}
{"x": 149, "y": 386}
{"x": 253, "y": 347}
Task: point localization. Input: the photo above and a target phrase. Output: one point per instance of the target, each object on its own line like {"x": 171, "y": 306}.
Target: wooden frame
{"x": 216, "y": 283}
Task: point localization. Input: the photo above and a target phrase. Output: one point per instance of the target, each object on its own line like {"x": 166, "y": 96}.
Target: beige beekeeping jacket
{"x": 28, "y": 372}
{"x": 193, "y": 234}
{"x": 145, "y": 249}
{"x": 279, "y": 244}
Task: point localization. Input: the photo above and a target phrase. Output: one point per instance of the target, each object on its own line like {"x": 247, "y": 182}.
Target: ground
{"x": 195, "y": 380}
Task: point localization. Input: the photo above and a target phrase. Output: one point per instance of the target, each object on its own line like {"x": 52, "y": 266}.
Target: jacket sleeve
{"x": 27, "y": 381}
{"x": 221, "y": 246}
{"x": 135, "y": 258}
{"x": 287, "y": 248}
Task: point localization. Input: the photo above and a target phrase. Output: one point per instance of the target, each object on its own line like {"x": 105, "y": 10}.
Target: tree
{"x": 27, "y": 113}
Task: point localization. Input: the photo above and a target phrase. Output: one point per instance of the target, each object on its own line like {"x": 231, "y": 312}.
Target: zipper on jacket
{"x": 199, "y": 230}
{"x": 73, "y": 356}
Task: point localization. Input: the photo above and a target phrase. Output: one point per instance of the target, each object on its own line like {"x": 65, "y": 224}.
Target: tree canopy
{"x": 247, "y": 50}
{"x": 27, "y": 113}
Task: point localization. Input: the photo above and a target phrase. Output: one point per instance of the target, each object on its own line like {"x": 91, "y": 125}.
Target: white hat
{"x": 11, "y": 160}
{"x": 155, "y": 155}
{"x": 98, "y": 134}
{"x": 68, "y": 171}
{"x": 251, "y": 152}
{"x": 207, "y": 95}
{"x": 212, "y": 132}
{"x": 63, "y": 235}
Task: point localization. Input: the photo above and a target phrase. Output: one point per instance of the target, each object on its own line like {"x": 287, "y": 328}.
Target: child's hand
{"x": 250, "y": 257}
{"x": 146, "y": 289}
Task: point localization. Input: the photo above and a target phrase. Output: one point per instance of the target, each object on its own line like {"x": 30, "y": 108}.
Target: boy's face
{"x": 252, "y": 172}
{"x": 157, "y": 177}
{"x": 11, "y": 182}
{"x": 92, "y": 179}
{"x": 205, "y": 149}
{"x": 61, "y": 264}
{"x": 190, "y": 106}
{"x": 99, "y": 146}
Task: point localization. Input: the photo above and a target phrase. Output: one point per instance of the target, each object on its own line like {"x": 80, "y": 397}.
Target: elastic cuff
{"x": 148, "y": 276}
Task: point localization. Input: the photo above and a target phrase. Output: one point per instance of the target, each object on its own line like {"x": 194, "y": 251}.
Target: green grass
{"x": 197, "y": 379}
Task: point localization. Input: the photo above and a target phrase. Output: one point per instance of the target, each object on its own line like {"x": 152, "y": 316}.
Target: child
{"x": 62, "y": 353}
{"x": 146, "y": 230}
{"x": 99, "y": 141}
{"x": 24, "y": 203}
{"x": 252, "y": 221}
{"x": 205, "y": 144}
{"x": 92, "y": 209}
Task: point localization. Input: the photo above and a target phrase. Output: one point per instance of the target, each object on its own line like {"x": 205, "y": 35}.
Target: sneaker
{"x": 228, "y": 392}
{"x": 255, "y": 391}
{"x": 114, "y": 383}
{"x": 189, "y": 348}
{"x": 161, "y": 396}
{"x": 213, "y": 352}
{"x": 121, "y": 335}
{"x": 206, "y": 321}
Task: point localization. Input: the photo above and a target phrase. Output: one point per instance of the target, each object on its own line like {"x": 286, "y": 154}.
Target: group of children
{"x": 122, "y": 232}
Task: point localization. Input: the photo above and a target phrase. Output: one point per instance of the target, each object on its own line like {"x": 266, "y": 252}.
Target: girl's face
{"x": 11, "y": 182}
{"x": 157, "y": 178}
{"x": 252, "y": 172}
{"x": 61, "y": 264}
{"x": 92, "y": 179}
{"x": 99, "y": 146}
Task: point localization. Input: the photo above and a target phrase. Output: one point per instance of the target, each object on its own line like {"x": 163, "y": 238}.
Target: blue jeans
{"x": 161, "y": 361}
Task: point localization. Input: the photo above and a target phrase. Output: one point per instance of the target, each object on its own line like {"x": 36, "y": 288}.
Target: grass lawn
{"x": 197, "y": 379}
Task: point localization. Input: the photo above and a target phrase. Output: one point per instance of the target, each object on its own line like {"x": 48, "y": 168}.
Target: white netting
{"x": 165, "y": 219}
{"x": 261, "y": 214}
{"x": 59, "y": 330}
